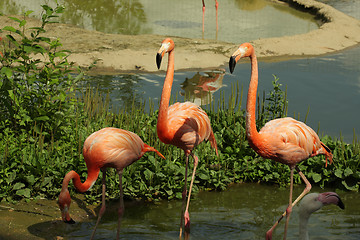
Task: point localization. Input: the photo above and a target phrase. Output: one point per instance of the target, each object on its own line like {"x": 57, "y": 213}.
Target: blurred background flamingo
{"x": 284, "y": 140}
{"x": 203, "y": 17}
{"x": 184, "y": 125}
{"x": 311, "y": 203}
{"x": 108, "y": 147}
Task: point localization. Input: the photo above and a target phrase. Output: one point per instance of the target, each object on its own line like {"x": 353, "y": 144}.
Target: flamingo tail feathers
{"x": 213, "y": 142}
{"x": 327, "y": 153}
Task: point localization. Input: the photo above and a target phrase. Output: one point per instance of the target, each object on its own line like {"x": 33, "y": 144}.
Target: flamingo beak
{"x": 232, "y": 63}
{"x": 158, "y": 59}
{"x": 331, "y": 198}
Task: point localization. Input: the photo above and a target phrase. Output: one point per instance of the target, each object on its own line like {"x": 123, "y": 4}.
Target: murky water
{"x": 238, "y": 20}
{"x": 244, "y": 211}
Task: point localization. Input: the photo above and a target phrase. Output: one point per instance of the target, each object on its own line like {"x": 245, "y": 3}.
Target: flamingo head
{"x": 166, "y": 46}
{"x": 64, "y": 205}
{"x": 244, "y": 50}
{"x": 314, "y": 201}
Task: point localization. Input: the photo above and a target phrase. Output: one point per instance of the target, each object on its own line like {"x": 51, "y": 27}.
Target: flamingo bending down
{"x": 311, "y": 203}
{"x": 284, "y": 140}
{"x": 108, "y": 147}
{"x": 203, "y": 16}
{"x": 184, "y": 125}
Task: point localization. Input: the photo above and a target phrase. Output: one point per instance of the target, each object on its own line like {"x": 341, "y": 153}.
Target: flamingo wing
{"x": 290, "y": 141}
{"x": 112, "y": 147}
{"x": 189, "y": 125}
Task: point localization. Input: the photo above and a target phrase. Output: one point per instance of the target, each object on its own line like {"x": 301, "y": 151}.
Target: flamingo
{"x": 184, "y": 125}
{"x": 311, "y": 203}
{"x": 108, "y": 147}
{"x": 203, "y": 16}
{"x": 283, "y": 140}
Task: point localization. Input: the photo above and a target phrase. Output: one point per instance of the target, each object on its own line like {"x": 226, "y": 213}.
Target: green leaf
{"x": 7, "y": 71}
{"x": 316, "y": 177}
{"x": 338, "y": 173}
{"x": 18, "y": 185}
{"x": 23, "y": 192}
{"x": 348, "y": 172}
{"x": 42, "y": 118}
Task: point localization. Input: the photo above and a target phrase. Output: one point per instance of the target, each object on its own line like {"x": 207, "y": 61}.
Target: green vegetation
{"x": 43, "y": 125}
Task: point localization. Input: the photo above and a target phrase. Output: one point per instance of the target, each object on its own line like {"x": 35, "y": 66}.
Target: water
{"x": 329, "y": 86}
{"x": 244, "y": 211}
{"x": 252, "y": 19}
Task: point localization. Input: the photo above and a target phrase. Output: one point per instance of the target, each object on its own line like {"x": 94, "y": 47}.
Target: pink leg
{"x": 103, "y": 206}
{"x": 184, "y": 196}
{"x": 216, "y": 7}
{"x": 306, "y": 190}
{"x": 121, "y": 207}
{"x": 186, "y": 214}
{"x": 203, "y": 17}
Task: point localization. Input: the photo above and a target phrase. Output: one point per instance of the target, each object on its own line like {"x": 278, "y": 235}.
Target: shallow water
{"x": 244, "y": 211}
{"x": 238, "y": 20}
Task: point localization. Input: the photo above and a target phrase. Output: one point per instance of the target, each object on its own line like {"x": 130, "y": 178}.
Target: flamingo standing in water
{"x": 184, "y": 125}
{"x": 284, "y": 140}
{"x": 311, "y": 203}
{"x": 203, "y": 16}
{"x": 108, "y": 147}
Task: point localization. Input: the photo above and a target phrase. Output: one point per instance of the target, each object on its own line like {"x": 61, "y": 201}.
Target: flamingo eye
{"x": 166, "y": 46}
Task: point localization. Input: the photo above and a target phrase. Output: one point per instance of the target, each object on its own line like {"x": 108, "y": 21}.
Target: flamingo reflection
{"x": 200, "y": 88}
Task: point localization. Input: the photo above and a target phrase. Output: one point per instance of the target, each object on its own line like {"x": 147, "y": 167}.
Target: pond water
{"x": 329, "y": 86}
{"x": 244, "y": 211}
{"x": 252, "y": 19}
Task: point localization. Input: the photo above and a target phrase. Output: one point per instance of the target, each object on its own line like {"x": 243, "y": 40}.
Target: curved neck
{"x": 81, "y": 187}
{"x": 251, "y": 132}
{"x": 303, "y": 232}
{"x": 165, "y": 96}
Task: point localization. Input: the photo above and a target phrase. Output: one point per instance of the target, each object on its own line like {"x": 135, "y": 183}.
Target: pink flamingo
{"x": 203, "y": 16}
{"x": 184, "y": 125}
{"x": 283, "y": 140}
{"x": 108, "y": 147}
{"x": 311, "y": 203}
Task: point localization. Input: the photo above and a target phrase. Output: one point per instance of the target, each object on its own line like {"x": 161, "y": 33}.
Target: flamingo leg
{"x": 103, "y": 206}
{"x": 306, "y": 190}
{"x": 121, "y": 207}
{"x": 216, "y": 7}
{"x": 289, "y": 208}
{"x": 186, "y": 214}
{"x": 184, "y": 196}
{"x": 203, "y": 18}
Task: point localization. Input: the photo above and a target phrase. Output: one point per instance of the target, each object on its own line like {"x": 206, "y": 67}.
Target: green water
{"x": 244, "y": 211}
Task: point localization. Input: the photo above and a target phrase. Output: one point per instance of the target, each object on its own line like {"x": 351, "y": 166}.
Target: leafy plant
{"x": 36, "y": 80}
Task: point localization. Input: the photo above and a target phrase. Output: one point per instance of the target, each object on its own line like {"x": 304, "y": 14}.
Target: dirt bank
{"x": 118, "y": 53}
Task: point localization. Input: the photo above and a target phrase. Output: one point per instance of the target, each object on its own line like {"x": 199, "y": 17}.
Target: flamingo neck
{"x": 81, "y": 187}
{"x": 303, "y": 231}
{"x": 251, "y": 132}
{"x": 162, "y": 124}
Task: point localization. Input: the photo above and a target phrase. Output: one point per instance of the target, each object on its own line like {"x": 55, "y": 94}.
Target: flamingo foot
{"x": 187, "y": 221}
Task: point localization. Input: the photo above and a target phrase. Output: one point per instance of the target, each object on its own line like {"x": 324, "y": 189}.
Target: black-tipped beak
{"x": 341, "y": 204}
{"x": 232, "y": 63}
{"x": 71, "y": 221}
{"x": 158, "y": 60}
